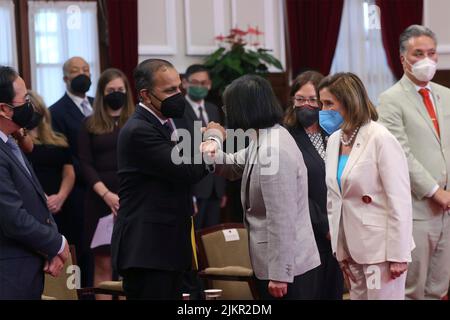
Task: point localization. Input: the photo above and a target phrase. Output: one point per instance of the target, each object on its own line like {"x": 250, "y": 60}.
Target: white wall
{"x": 183, "y": 31}
{"x": 436, "y": 17}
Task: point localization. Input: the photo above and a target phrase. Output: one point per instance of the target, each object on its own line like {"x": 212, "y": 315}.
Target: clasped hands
{"x": 56, "y": 265}
{"x": 210, "y": 146}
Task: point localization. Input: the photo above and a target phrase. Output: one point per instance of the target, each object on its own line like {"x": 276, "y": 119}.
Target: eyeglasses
{"x": 312, "y": 101}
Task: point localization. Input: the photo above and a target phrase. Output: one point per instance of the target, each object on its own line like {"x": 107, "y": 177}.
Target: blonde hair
{"x": 349, "y": 90}
{"x": 45, "y": 133}
{"x": 101, "y": 122}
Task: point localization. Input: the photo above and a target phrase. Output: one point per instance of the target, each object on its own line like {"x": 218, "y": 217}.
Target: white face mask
{"x": 423, "y": 70}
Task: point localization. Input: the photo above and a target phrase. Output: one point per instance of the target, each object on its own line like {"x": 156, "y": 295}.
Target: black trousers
{"x": 303, "y": 288}
{"x": 208, "y": 213}
{"x": 150, "y": 284}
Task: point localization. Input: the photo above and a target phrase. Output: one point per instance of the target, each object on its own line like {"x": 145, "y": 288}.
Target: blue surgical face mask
{"x": 330, "y": 120}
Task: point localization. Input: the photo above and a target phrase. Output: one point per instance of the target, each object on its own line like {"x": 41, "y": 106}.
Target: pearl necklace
{"x": 350, "y": 140}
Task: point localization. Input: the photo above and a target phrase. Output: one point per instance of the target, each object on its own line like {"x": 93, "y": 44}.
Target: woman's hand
{"x": 55, "y": 203}
{"x": 346, "y": 272}
{"x": 277, "y": 289}
{"x": 397, "y": 269}
{"x": 112, "y": 200}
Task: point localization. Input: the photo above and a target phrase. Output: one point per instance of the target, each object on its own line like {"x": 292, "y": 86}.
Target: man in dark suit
{"x": 210, "y": 191}
{"x": 29, "y": 240}
{"x": 68, "y": 114}
{"x": 151, "y": 242}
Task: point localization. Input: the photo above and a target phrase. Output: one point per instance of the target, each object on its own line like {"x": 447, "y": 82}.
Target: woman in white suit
{"x": 369, "y": 199}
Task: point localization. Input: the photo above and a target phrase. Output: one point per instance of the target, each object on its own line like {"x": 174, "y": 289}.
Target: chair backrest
{"x": 219, "y": 246}
{"x": 60, "y": 288}
{"x": 222, "y": 246}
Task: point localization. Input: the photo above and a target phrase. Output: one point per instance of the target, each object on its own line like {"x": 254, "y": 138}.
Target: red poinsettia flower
{"x": 220, "y": 38}
{"x": 251, "y": 30}
{"x": 238, "y": 32}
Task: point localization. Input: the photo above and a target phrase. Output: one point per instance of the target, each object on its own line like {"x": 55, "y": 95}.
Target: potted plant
{"x": 239, "y": 53}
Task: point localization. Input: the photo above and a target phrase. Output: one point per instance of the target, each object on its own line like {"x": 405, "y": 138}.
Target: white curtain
{"x": 360, "y": 48}
{"x": 8, "y": 46}
{"x": 58, "y": 31}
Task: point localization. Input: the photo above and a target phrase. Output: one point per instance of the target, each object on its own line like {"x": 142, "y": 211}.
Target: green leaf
{"x": 271, "y": 60}
{"x": 211, "y": 60}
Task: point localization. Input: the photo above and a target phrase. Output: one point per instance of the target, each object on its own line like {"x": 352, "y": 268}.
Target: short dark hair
{"x": 195, "y": 68}
{"x": 144, "y": 73}
{"x": 7, "y": 77}
{"x": 250, "y": 103}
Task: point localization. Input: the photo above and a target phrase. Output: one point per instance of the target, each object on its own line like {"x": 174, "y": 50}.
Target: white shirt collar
{"x": 78, "y": 101}
{"x": 3, "y": 136}
{"x": 428, "y": 86}
{"x": 195, "y": 107}
{"x": 195, "y": 104}
{"x": 152, "y": 112}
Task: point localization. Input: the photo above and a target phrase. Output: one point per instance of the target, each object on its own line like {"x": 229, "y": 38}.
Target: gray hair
{"x": 415, "y": 31}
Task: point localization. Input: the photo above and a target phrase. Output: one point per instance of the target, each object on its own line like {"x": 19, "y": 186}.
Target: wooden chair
{"x": 63, "y": 287}
{"x": 224, "y": 261}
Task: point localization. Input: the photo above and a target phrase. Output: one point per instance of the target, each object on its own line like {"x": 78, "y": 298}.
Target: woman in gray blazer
{"x": 274, "y": 190}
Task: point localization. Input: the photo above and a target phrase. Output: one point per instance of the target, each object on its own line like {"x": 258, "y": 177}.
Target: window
{"x": 59, "y": 31}
{"x": 8, "y": 47}
{"x": 360, "y": 47}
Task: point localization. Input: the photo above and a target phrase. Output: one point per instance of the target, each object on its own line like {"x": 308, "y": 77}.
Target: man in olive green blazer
{"x": 417, "y": 112}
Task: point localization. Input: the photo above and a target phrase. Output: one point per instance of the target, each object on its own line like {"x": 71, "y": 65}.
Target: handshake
{"x": 213, "y": 137}
{"x": 56, "y": 265}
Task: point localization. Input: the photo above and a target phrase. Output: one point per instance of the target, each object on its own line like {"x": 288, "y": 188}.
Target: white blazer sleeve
{"x": 393, "y": 168}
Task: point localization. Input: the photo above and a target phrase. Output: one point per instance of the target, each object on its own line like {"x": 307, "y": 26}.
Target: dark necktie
{"x": 11, "y": 143}
{"x": 168, "y": 127}
{"x": 202, "y": 118}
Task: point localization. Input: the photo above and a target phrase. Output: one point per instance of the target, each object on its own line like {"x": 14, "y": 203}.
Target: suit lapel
{"x": 73, "y": 111}
{"x": 309, "y": 147}
{"x": 358, "y": 147}
{"x": 245, "y": 176}
{"x": 333, "y": 150}
{"x": 416, "y": 100}
{"x": 32, "y": 177}
{"x": 147, "y": 116}
{"x": 439, "y": 112}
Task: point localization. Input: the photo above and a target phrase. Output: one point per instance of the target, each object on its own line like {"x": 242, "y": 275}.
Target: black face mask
{"x": 115, "y": 100}
{"x": 173, "y": 106}
{"x": 35, "y": 121}
{"x": 22, "y": 114}
{"x": 80, "y": 84}
{"x": 307, "y": 116}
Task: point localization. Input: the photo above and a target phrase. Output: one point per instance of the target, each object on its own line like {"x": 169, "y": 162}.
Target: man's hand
{"x": 223, "y": 202}
{"x": 209, "y": 148}
{"x": 64, "y": 255}
{"x": 277, "y": 289}
{"x": 54, "y": 267}
{"x": 442, "y": 198}
{"x": 397, "y": 269}
{"x": 55, "y": 203}
{"x": 215, "y": 130}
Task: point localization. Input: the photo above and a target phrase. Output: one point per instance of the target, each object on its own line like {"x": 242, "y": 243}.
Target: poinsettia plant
{"x": 239, "y": 53}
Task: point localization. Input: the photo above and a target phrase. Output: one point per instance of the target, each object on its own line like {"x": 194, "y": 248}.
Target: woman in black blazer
{"x": 302, "y": 121}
